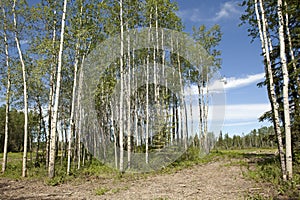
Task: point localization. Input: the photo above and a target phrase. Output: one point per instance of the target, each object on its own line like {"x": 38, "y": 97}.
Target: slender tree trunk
{"x": 175, "y": 103}
{"x": 55, "y": 109}
{"x": 51, "y": 93}
{"x": 30, "y": 147}
{"x": 80, "y": 111}
{"x": 8, "y": 88}
{"x": 39, "y": 132}
{"x": 191, "y": 105}
{"x": 115, "y": 136}
{"x": 61, "y": 128}
{"x": 79, "y": 150}
{"x": 150, "y": 38}
{"x": 173, "y": 118}
{"x": 121, "y": 136}
{"x": 266, "y": 43}
{"x": 83, "y": 154}
{"x": 136, "y": 131}
{"x": 182, "y": 104}
{"x": 205, "y": 114}
{"x": 65, "y": 138}
{"x": 155, "y": 55}
{"x": 200, "y": 125}
{"x": 165, "y": 93}
{"x": 128, "y": 102}
{"x": 72, "y": 121}
{"x": 177, "y": 121}
{"x": 147, "y": 102}
{"x": 24, "y": 165}
{"x": 286, "y": 104}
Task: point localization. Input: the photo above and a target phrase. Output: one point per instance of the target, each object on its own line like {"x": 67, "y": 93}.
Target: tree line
{"x": 263, "y": 137}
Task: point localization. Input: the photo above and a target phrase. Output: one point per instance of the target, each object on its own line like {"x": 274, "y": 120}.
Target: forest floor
{"x": 217, "y": 179}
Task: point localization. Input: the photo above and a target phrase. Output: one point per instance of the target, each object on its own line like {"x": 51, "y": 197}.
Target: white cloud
{"x": 236, "y": 117}
{"x": 22, "y": 42}
{"x": 230, "y": 117}
{"x": 245, "y": 112}
{"x": 228, "y": 9}
{"x": 240, "y": 123}
{"x": 233, "y": 82}
{"x": 238, "y": 112}
{"x": 220, "y": 86}
{"x": 193, "y": 15}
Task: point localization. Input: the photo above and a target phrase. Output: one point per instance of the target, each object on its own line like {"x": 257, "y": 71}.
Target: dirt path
{"x": 215, "y": 180}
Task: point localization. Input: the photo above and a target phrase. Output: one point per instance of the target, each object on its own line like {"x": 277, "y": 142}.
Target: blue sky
{"x": 241, "y": 61}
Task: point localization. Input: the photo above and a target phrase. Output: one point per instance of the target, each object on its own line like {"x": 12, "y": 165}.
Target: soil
{"x": 215, "y": 180}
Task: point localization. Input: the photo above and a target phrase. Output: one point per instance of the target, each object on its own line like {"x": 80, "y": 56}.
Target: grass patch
{"x": 236, "y": 163}
{"x": 116, "y": 190}
{"x": 268, "y": 170}
{"x": 104, "y": 190}
{"x": 97, "y": 169}
{"x": 257, "y": 197}
{"x": 101, "y": 191}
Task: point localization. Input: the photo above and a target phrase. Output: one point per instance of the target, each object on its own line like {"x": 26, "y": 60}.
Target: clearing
{"x": 217, "y": 179}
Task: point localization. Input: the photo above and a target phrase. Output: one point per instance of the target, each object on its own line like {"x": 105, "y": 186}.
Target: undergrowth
{"x": 268, "y": 170}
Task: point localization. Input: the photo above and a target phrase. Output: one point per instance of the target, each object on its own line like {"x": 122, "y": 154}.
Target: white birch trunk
{"x": 80, "y": 111}
{"x": 114, "y": 134}
{"x": 121, "y": 91}
{"x": 191, "y": 105}
{"x": 266, "y": 43}
{"x": 51, "y": 169}
{"x": 286, "y": 105}
{"x": 51, "y": 93}
{"x": 136, "y": 131}
{"x": 205, "y": 114}
{"x": 147, "y": 110}
{"x": 128, "y": 102}
{"x": 24, "y": 165}
{"x": 72, "y": 121}
{"x": 156, "y": 48}
{"x": 8, "y": 88}
{"x": 184, "y": 128}
{"x": 78, "y": 149}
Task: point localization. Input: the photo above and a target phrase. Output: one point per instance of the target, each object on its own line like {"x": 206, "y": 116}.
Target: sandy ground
{"x": 215, "y": 180}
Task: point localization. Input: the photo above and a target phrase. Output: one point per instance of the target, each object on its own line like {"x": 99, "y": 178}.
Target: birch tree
{"x": 286, "y": 105}
{"x": 72, "y": 122}
{"x": 128, "y": 94}
{"x": 8, "y": 87}
{"x": 266, "y": 45}
{"x": 51, "y": 169}
{"x": 121, "y": 126}
{"x": 17, "y": 41}
{"x": 209, "y": 39}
